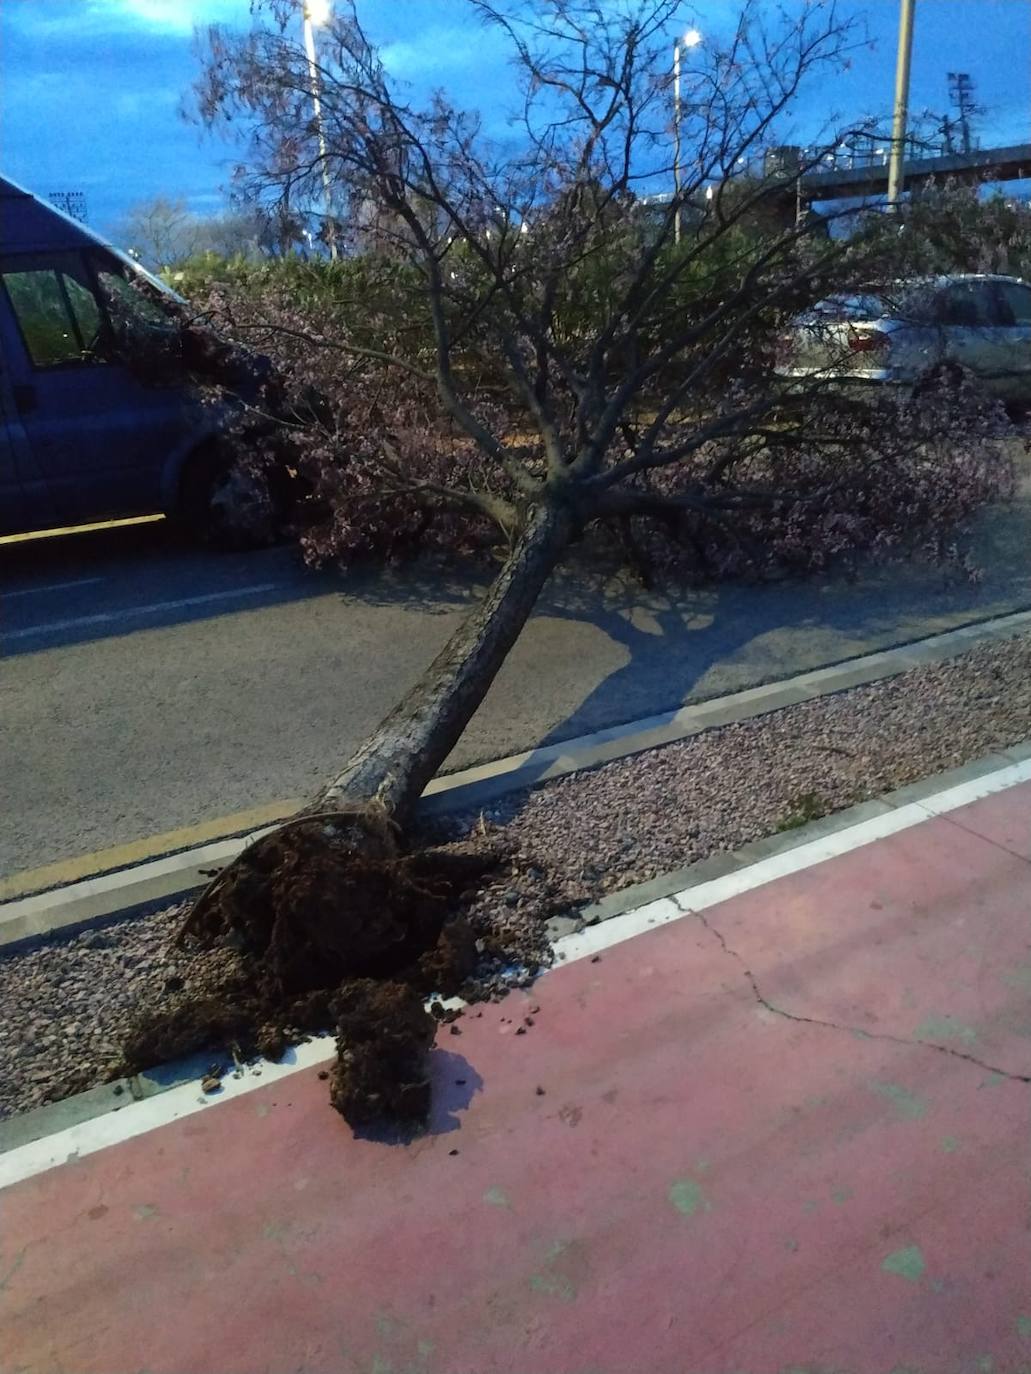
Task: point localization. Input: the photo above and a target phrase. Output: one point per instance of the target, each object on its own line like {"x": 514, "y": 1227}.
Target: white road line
{"x": 114, "y": 617}
{"x": 52, "y": 587}
{"x": 75, "y": 1142}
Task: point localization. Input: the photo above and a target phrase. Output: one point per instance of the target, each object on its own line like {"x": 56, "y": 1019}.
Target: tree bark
{"x": 405, "y": 751}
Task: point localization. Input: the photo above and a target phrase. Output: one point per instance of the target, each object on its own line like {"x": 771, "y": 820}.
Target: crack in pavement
{"x": 851, "y": 1030}
{"x": 16, "y": 1264}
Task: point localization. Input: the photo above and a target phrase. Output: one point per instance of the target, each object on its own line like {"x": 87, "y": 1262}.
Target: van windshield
{"x": 132, "y": 312}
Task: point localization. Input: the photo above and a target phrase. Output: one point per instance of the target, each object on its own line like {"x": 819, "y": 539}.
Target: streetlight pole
{"x": 907, "y": 9}
{"x": 691, "y": 39}
{"x": 317, "y": 12}
{"x": 676, "y": 141}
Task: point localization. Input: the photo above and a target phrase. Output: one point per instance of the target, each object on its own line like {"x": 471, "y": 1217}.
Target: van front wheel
{"x": 224, "y": 507}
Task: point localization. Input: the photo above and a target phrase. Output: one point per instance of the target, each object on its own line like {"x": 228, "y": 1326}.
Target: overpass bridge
{"x": 871, "y": 179}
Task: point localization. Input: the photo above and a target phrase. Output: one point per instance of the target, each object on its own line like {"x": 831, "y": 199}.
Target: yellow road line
{"x": 154, "y": 847}
{"x": 79, "y": 529}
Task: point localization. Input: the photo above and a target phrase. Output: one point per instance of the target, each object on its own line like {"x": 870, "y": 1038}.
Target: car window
{"x": 131, "y": 311}
{"x": 85, "y": 311}
{"x": 45, "y": 317}
{"x": 1015, "y": 303}
{"x": 916, "y": 303}
{"x": 967, "y": 304}
{"x": 860, "y": 307}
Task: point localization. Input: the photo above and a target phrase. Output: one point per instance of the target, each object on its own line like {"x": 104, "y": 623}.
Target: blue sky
{"x": 91, "y": 89}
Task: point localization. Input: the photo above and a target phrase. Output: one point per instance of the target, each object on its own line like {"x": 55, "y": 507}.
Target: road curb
{"x": 91, "y": 901}
{"x": 41, "y": 1122}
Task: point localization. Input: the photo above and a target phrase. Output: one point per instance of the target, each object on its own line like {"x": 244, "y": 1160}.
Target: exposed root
{"x": 321, "y": 900}
{"x": 336, "y": 926}
{"x": 203, "y": 1024}
{"x": 446, "y": 966}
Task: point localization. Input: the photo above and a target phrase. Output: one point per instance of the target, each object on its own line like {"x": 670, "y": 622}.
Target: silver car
{"x": 912, "y": 331}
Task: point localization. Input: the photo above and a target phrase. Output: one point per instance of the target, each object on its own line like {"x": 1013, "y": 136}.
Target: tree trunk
{"x": 330, "y": 893}
{"x": 331, "y": 898}
{"x": 404, "y": 752}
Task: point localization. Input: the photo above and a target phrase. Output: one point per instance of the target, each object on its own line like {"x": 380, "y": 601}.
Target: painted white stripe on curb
{"x": 135, "y": 1119}
{"x": 689, "y": 900}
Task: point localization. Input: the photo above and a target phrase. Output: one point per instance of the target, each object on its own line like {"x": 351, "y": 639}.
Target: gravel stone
{"x": 68, "y": 1004}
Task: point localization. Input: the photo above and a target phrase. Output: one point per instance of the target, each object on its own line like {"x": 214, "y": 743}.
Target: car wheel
{"x": 222, "y": 506}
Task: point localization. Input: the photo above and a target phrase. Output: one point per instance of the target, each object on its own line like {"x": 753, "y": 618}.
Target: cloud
{"x": 177, "y": 16}
{"x": 441, "y": 51}
{"x": 168, "y": 18}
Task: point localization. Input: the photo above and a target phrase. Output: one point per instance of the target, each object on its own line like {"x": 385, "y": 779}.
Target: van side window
{"x": 46, "y": 317}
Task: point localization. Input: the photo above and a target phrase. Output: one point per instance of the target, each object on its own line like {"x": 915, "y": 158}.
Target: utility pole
{"x": 961, "y": 93}
{"x": 907, "y": 9}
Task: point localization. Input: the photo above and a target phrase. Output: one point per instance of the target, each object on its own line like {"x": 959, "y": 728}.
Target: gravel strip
{"x": 68, "y": 1004}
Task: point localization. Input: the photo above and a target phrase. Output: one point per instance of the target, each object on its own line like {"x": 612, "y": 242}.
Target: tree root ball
{"x": 314, "y": 904}
{"x": 335, "y": 927}
{"x": 384, "y": 1034}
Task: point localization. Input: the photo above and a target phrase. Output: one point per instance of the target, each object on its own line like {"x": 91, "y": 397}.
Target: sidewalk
{"x": 788, "y": 1131}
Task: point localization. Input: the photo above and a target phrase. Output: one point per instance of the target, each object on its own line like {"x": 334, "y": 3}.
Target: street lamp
{"x": 319, "y": 12}
{"x": 691, "y": 39}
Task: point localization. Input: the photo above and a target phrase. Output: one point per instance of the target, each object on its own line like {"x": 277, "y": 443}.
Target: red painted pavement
{"x": 705, "y": 1187}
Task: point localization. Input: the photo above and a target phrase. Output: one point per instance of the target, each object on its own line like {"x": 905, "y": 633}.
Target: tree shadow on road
{"x": 686, "y": 645}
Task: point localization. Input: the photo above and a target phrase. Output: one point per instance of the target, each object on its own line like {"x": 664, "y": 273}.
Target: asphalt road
{"x": 146, "y": 687}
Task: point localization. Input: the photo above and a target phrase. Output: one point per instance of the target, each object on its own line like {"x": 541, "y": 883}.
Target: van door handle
{"x": 25, "y": 397}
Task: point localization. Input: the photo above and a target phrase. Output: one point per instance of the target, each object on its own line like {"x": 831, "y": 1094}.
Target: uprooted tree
{"x": 559, "y": 352}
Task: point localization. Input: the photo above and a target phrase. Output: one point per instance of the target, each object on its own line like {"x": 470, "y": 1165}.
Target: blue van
{"x": 89, "y": 431}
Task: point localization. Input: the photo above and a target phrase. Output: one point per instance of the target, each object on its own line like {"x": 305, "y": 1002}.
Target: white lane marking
{"x": 75, "y": 1142}
{"x": 52, "y": 587}
{"x": 113, "y": 617}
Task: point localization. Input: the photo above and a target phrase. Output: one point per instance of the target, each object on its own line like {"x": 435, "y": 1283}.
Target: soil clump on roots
{"x": 335, "y": 928}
